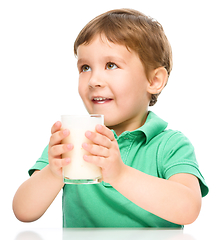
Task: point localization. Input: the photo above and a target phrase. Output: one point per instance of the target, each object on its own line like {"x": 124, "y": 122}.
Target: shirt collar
{"x": 151, "y": 128}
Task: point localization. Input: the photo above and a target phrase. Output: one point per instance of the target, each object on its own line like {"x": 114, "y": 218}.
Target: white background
{"x": 39, "y": 79}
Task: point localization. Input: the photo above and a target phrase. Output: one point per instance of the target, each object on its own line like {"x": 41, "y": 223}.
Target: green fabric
{"x": 150, "y": 149}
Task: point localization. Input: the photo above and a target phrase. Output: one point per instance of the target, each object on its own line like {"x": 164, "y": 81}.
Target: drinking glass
{"x": 80, "y": 171}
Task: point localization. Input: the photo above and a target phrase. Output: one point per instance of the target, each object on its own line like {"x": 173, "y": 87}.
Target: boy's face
{"x": 112, "y": 82}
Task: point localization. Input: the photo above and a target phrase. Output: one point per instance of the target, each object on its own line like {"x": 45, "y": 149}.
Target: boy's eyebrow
{"x": 114, "y": 58}
{"x": 81, "y": 61}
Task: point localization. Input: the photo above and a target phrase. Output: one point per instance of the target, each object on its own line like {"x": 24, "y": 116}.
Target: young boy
{"x": 150, "y": 174}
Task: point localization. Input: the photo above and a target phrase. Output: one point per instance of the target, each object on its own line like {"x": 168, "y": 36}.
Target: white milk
{"x": 79, "y": 169}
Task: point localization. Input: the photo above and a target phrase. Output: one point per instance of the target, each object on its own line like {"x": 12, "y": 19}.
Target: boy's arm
{"x": 177, "y": 200}
{"x": 36, "y": 194}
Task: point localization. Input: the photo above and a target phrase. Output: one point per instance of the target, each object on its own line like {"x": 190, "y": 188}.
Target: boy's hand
{"x": 105, "y": 153}
{"x": 56, "y": 149}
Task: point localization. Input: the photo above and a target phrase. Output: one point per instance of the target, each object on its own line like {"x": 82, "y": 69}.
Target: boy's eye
{"x": 85, "y": 68}
{"x": 111, "y": 66}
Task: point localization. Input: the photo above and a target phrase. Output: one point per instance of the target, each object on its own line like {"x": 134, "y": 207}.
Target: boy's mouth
{"x": 100, "y": 100}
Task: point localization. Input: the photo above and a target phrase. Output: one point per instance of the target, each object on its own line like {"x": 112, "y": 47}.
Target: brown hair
{"x": 137, "y": 32}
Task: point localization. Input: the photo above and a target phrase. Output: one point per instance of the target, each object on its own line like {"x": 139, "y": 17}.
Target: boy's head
{"x": 137, "y": 32}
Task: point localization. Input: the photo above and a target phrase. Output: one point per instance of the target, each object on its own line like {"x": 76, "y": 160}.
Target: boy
{"x": 150, "y": 175}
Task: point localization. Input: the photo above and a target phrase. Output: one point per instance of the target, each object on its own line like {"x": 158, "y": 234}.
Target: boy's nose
{"x": 96, "y": 81}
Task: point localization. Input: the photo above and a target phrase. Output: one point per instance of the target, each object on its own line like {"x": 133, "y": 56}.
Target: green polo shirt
{"x": 151, "y": 149}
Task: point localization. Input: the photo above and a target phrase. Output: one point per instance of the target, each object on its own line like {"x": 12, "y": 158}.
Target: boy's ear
{"x": 158, "y": 80}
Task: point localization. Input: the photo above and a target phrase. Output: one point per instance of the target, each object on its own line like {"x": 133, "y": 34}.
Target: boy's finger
{"x": 56, "y": 127}
{"x": 105, "y": 131}
{"x": 96, "y": 150}
{"x": 97, "y": 160}
{"x": 58, "y": 150}
{"x": 98, "y": 139}
{"x": 59, "y": 163}
{"x": 58, "y": 136}
{"x": 65, "y": 161}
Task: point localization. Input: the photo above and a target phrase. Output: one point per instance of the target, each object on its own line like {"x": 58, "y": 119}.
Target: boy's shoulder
{"x": 156, "y": 129}
{"x": 170, "y": 142}
{"x": 172, "y": 137}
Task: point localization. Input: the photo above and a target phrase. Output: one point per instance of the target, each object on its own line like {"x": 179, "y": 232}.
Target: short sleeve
{"x": 177, "y": 156}
{"x": 41, "y": 163}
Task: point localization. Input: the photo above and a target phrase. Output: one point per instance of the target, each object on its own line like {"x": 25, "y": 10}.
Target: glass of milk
{"x": 79, "y": 171}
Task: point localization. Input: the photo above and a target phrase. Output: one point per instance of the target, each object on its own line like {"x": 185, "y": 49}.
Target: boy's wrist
{"x": 54, "y": 175}
{"x": 121, "y": 177}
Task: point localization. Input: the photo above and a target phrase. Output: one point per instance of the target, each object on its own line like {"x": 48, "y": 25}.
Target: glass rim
{"x": 82, "y": 115}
